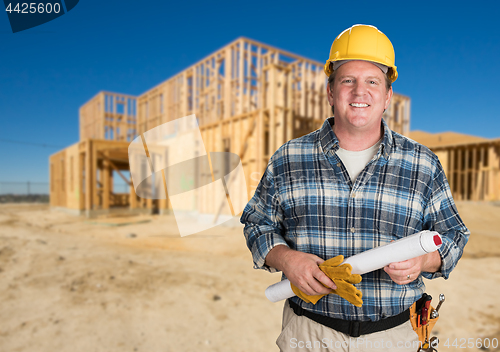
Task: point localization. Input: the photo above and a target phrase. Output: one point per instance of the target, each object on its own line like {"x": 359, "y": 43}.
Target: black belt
{"x": 353, "y": 328}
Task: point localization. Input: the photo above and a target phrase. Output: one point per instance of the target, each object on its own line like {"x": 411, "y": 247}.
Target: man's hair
{"x": 331, "y": 79}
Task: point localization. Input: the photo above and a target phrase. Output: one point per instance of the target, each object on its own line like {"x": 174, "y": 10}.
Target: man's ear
{"x": 329, "y": 94}
{"x": 388, "y": 99}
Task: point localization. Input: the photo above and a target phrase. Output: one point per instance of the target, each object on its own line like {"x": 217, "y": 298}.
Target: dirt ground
{"x": 67, "y": 284}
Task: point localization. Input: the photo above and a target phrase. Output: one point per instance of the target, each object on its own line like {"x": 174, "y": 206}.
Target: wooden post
{"x": 452, "y": 172}
{"x": 289, "y": 105}
{"x": 259, "y": 136}
{"x": 106, "y": 187}
{"x": 81, "y": 180}
{"x": 474, "y": 174}
{"x": 466, "y": 174}
{"x": 481, "y": 189}
{"x": 460, "y": 172}
{"x": 241, "y": 72}
{"x": 227, "y": 83}
{"x": 89, "y": 180}
{"x": 132, "y": 200}
{"x": 494, "y": 165}
{"x": 302, "y": 89}
{"x": 249, "y": 79}
{"x": 93, "y": 168}
{"x": 100, "y": 117}
{"x": 194, "y": 95}
{"x": 272, "y": 110}
{"x": 490, "y": 173}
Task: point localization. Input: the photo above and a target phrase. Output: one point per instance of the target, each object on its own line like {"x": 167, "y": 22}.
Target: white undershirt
{"x": 355, "y": 162}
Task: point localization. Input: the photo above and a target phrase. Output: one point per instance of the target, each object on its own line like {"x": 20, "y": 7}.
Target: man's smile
{"x": 359, "y": 105}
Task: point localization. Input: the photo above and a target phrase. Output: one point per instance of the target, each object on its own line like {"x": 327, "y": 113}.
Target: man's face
{"x": 359, "y": 96}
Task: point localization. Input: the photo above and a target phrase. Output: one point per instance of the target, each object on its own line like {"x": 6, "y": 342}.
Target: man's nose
{"x": 359, "y": 88}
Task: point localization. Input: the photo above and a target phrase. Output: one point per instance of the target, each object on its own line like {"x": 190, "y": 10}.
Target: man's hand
{"x": 301, "y": 269}
{"x": 409, "y": 270}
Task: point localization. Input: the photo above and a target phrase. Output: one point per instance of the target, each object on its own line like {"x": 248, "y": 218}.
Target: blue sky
{"x": 446, "y": 53}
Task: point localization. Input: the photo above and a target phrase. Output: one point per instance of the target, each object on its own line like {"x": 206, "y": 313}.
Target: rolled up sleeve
{"x": 442, "y": 216}
{"x": 262, "y": 218}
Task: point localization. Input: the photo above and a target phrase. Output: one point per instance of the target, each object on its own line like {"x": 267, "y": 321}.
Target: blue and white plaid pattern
{"x": 306, "y": 200}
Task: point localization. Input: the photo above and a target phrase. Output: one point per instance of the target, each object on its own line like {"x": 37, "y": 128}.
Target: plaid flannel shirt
{"x": 306, "y": 200}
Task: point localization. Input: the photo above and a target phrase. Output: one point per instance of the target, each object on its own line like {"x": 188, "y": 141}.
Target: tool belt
{"x": 353, "y": 328}
{"x": 423, "y": 331}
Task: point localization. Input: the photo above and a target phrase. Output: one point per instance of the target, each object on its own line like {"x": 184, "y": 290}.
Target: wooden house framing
{"x": 471, "y": 164}
{"x": 249, "y": 98}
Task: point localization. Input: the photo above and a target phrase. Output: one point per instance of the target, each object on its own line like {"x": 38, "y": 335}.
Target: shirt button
{"x": 352, "y": 229}
{"x": 338, "y": 164}
{"x": 353, "y": 194}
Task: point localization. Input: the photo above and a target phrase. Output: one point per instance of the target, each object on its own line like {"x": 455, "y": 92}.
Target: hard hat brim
{"x": 392, "y": 73}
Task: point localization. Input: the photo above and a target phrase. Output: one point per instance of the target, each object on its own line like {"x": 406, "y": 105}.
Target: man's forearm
{"x": 275, "y": 257}
{"x": 432, "y": 262}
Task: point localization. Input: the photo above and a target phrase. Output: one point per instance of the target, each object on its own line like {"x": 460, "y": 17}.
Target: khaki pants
{"x": 300, "y": 333}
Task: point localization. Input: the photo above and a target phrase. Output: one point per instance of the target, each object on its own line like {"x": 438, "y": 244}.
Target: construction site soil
{"x": 70, "y": 284}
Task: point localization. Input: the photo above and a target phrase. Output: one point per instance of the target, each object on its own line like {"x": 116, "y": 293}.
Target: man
{"x": 348, "y": 187}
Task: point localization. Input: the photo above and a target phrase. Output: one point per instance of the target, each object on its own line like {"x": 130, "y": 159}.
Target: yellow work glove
{"x": 343, "y": 279}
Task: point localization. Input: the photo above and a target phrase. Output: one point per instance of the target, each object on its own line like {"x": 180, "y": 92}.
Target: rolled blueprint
{"x": 403, "y": 249}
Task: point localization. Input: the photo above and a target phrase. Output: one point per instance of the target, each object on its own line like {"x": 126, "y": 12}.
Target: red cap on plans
{"x": 437, "y": 240}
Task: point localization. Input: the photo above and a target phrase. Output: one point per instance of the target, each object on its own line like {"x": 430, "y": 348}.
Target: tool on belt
{"x": 423, "y": 317}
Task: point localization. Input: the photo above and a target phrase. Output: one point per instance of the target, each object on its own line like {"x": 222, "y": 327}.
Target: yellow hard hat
{"x": 362, "y": 42}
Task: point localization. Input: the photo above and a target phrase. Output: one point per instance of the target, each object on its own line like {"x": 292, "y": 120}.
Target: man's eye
{"x": 373, "y": 82}
{"x": 347, "y": 81}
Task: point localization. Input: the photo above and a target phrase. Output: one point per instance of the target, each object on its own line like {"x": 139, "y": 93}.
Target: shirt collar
{"x": 327, "y": 137}
{"x": 329, "y": 140}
